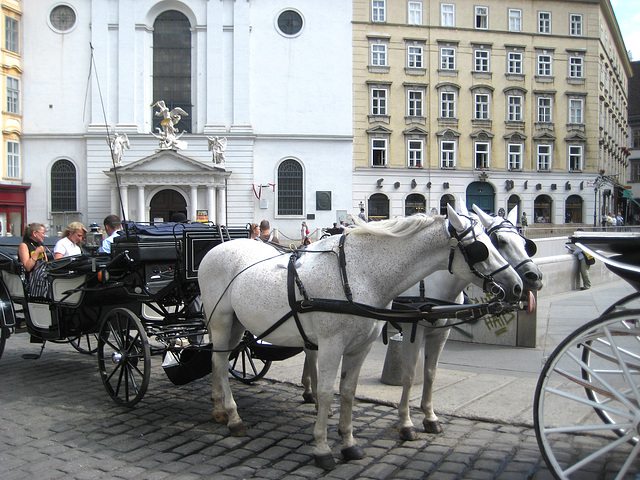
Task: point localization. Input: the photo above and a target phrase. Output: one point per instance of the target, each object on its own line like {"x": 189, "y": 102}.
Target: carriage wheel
{"x": 86, "y": 344}
{"x": 591, "y": 377}
{"x": 4, "y": 334}
{"x": 124, "y": 357}
{"x": 245, "y": 366}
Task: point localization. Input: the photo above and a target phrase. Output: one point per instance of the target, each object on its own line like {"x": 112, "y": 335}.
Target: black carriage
{"x": 141, "y": 300}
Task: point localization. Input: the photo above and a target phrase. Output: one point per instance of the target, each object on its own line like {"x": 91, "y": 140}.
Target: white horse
{"x": 244, "y": 287}
{"x": 517, "y": 250}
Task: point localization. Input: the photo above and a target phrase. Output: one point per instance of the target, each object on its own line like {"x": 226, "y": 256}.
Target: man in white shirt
{"x": 112, "y": 226}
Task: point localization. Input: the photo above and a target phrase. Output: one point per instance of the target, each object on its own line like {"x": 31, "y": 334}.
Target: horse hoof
{"x": 308, "y": 398}
{"x": 432, "y": 426}
{"x": 325, "y": 461}
{"x": 237, "y": 430}
{"x": 220, "y": 417}
{"x": 408, "y": 434}
{"x": 353, "y": 453}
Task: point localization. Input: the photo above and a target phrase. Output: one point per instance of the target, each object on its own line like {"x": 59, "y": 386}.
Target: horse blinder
{"x": 530, "y": 247}
{"x": 476, "y": 252}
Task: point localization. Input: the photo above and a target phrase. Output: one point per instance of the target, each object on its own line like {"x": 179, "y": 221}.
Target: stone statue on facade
{"x": 217, "y": 145}
{"x": 168, "y": 133}
{"x": 118, "y": 144}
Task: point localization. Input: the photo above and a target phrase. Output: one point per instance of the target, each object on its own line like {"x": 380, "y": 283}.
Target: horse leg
{"x": 410, "y": 353}
{"x": 434, "y": 343}
{"x": 327, "y": 365}
{"x": 310, "y": 376}
{"x": 225, "y": 409}
{"x": 351, "y": 365}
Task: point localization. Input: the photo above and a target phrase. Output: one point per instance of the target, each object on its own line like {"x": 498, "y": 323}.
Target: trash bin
{"x": 392, "y": 370}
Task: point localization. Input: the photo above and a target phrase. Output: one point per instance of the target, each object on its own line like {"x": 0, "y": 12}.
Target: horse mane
{"x": 394, "y": 227}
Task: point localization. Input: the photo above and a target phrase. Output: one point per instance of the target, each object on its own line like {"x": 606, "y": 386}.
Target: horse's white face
{"x": 482, "y": 256}
{"x": 516, "y": 249}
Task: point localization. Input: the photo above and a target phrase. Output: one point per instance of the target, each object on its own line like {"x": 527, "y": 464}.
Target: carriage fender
{"x": 7, "y": 312}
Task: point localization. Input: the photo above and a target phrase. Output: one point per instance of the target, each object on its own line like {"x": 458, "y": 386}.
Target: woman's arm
{"x": 58, "y": 255}
{"x": 28, "y": 260}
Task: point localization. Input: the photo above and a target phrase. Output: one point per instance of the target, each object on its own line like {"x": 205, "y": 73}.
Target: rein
{"x": 508, "y": 227}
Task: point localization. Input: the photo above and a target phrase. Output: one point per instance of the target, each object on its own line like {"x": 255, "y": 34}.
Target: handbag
{"x": 589, "y": 259}
{"x": 38, "y": 283}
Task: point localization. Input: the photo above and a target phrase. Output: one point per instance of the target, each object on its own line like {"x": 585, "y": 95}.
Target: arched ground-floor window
{"x": 444, "y": 201}
{"x": 378, "y": 207}
{"x": 542, "y": 209}
{"x": 415, "y": 203}
{"x": 513, "y": 202}
{"x": 573, "y": 209}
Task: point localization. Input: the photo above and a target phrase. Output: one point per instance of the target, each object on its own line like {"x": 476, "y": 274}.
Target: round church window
{"x": 62, "y": 18}
{"x": 290, "y": 23}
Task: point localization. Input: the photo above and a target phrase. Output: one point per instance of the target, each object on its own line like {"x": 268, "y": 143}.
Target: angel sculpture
{"x": 118, "y": 145}
{"x": 169, "y": 134}
{"x": 217, "y": 145}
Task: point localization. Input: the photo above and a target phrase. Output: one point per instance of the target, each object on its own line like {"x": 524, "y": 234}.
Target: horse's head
{"x": 515, "y": 248}
{"x": 490, "y": 270}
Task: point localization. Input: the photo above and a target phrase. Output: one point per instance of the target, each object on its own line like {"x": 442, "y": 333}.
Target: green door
{"x": 483, "y": 195}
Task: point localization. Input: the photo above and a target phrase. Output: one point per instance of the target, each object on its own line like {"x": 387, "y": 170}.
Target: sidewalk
{"x": 483, "y": 382}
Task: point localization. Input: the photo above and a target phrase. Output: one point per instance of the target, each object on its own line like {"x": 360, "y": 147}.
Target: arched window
{"x": 172, "y": 65}
{"x": 542, "y": 209}
{"x": 378, "y": 207}
{"x": 415, "y": 203}
{"x": 444, "y": 201}
{"x": 573, "y": 209}
{"x": 514, "y": 201}
{"x": 290, "y": 188}
{"x": 63, "y": 187}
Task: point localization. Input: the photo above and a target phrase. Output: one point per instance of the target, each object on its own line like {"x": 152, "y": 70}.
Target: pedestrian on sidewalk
{"x": 583, "y": 266}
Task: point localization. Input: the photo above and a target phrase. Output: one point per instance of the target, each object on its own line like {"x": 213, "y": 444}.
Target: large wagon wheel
{"x": 85, "y": 344}
{"x": 591, "y": 377}
{"x": 245, "y": 365}
{"x": 124, "y": 357}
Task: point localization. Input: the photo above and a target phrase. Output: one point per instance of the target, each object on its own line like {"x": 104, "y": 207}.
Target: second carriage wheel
{"x": 592, "y": 377}
{"x": 124, "y": 357}
{"x": 86, "y": 344}
{"x": 245, "y": 365}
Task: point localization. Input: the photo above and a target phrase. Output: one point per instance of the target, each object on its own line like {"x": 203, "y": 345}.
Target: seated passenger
{"x": 32, "y": 251}
{"x": 112, "y": 226}
{"x": 69, "y": 244}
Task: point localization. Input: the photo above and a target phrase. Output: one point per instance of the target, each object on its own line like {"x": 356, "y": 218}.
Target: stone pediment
{"x": 167, "y": 161}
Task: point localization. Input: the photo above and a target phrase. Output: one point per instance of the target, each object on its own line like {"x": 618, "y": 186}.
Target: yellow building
{"x": 12, "y": 189}
{"x": 501, "y": 105}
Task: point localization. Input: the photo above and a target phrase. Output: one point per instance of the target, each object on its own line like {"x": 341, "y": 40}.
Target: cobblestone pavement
{"x": 57, "y": 421}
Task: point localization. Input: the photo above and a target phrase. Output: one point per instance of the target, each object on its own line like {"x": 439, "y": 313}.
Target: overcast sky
{"x": 628, "y": 16}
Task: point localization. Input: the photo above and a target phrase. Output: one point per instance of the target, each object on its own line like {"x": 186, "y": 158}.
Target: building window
{"x": 415, "y": 153}
{"x": 575, "y": 25}
{"x": 379, "y": 152}
{"x": 544, "y": 22}
{"x": 481, "y": 106}
{"x": 378, "y": 11}
{"x": 514, "y": 63}
{"x": 414, "y": 56}
{"x": 63, "y": 186}
{"x": 62, "y": 18}
{"x": 447, "y": 58}
{"x": 13, "y": 160}
{"x": 544, "y": 158}
{"x": 448, "y": 14}
{"x": 447, "y": 105}
{"x": 481, "y": 60}
{"x": 576, "y": 67}
{"x": 544, "y": 110}
{"x": 635, "y": 172}
{"x": 290, "y": 23}
{"x": 415, "y": 203}
{"x": 414, "y": 103}
{"x": 415, "y": 13}
{"x": 447, "y": 154}
{"x": 379, "y": 54}
{"x": 636, "y": 138}
{"x": 515, "y": 20}
{"x": 573, "y": 209}
{"x": 544, "y": 65}
{"x": 11, "y": 34}
{"x": 576, "y": 112}
{"x": 172, "y": 65}
{"x": 378, "y": 101}
{"x": 482, "y": 17}
{"x": 481, "y": 155}
{"x": 542, "y": 209}
{"x": 13, "y": 95}
{"x": 514, "y": 152}
{"x": 290, "y": 188}
{"x": 575, "y": 158}
{"x": 514, "y": 113}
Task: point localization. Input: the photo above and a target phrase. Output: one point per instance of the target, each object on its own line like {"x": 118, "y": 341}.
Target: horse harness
{"x": 508, "y": 227}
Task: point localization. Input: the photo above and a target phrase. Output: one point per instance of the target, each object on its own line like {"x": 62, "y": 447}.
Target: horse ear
{"x": 530, "y": 247}
{"x": 512, "y": 216}
{"x": 463, "y": 207}
{"x": 485, "y": 218}
{"x": 454, "y": 219}
{"x": 477, "y": 252}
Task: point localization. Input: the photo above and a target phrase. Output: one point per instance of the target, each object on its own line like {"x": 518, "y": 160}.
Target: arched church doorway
{"x": 164, "y": 204}
{"x": 483, "y": 195}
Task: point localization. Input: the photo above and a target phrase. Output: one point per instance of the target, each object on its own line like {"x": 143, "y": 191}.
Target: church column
{"x": 241, "y": 63}
{"x": 192, "y": 214}
{"x": 221, "y": 214}
{"x": 211, "y": 202}
{"x": 217, "y": 76}
{"x": 142, "y": 211}
{"x": 124, "y": 196}
{"x": 127, "y": 67}
{"x": 115, "y": 205}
